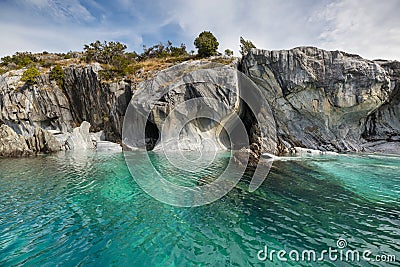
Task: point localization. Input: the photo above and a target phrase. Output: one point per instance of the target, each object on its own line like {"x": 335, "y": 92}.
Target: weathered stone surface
{"x": 83, "y": 97}
{"x": 198, "y": 106}
{"x": 43, "y": 141}
{"x": 317, "y": 99}
{"x": 25, "y": 108}
{"x": 384, "y": 123}
{"x": 12, "y": 144}
{"x": 103, "y": 105}
{"x": 80, "y": 138}
{"x": 324, "y": 99}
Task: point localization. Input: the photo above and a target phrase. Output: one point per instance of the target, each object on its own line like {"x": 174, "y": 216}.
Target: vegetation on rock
{"x": 245, "y": 46}
{"x": 115, "y": 61}
{"x": 19, "y": 60}
{"x": 57, "y": 74}
{"x": 228, "y": 52}
{"x": 206, "y": 44}
{"x": 29, "y": 76}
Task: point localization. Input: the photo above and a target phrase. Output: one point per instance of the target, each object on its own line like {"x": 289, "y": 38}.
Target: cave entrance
{"x": 152, "y": 135}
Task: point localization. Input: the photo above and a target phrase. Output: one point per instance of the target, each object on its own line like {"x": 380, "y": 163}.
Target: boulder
{"x": 12, "y": 144}
{"x": 80, "y": 138}
{"x": 43, "y": 141}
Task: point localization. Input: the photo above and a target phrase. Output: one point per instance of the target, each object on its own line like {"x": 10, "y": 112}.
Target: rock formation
{"x": 199, "y": 106}
{"x": 83, "y": 97}
{"x": 14, "y": 145}
{"x": 328, "y": 100}
{"x": 310, "y": 98}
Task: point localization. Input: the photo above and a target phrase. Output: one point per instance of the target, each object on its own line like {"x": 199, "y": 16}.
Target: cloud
{"x": 369, "y": 28}
{"x": 56, "y": 26}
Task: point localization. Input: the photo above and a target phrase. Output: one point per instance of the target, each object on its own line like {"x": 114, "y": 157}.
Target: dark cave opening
{"x": 152, "y": 135}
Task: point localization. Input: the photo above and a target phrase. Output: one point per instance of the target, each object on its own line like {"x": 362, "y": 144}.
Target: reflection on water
{"x": 71, "y": 209}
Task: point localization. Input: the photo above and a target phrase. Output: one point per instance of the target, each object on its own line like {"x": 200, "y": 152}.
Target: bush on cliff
{"x": 19, "y": 60}
{"x": 245, "y": 46}
{"x": 107, "y": 52}
{"x": 163, "y": 51}
{"x": 206, "y": 44}
{"x": 29, "y": 76}
{"x": 57, "y": 74}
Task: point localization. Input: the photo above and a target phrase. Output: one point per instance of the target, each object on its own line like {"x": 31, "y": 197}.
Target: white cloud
{"x": 366, "y": 27}
{"x": 370, "y": 28}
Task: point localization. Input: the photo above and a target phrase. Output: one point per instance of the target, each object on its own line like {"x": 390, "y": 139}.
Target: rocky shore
{"x": 314, "y": 99}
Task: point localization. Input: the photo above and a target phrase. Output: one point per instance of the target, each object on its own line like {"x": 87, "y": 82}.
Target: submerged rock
{"x": 108, "y": 146}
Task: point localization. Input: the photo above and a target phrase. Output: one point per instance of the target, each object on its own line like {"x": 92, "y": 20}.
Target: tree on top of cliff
{"x": 19, "y": 60}
{"x": 245, "y": 46}
{"x": 107, "y": 52}
{"x": 163, "y": 51}
{"x": 206, "y": 44}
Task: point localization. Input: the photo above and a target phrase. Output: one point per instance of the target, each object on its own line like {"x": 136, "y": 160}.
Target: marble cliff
{"x": 316, "y": 99}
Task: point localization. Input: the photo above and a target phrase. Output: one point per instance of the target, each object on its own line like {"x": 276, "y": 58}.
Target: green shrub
{"x": 228, "y": 52}
{"x": 163, "y": 51}
{"x": 29, "y": 76}
{"x": 19, "y": 59}
{"x": 105, "y": 53}
{"x": 245, "y": 46}
{"x": 57, "y": 74}
{"x": 206, "y": 44}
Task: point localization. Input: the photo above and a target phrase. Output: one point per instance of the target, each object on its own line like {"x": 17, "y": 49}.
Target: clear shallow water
{"x": 71, "y": 209}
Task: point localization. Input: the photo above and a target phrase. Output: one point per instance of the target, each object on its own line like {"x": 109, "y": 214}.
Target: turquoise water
{"x": 85, "y": 209}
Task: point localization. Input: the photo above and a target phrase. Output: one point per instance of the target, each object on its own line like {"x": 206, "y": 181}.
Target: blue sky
{"x": 367, "y": 27}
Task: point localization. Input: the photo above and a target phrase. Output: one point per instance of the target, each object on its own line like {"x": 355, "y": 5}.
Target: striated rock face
{"x": 382, "y": 128}
{"x": 310, "y": 98}
{"x": 14, "y": 145}
{"x": 103, "y": 105}
{"x": 199, "y": 106}
{"x": 327, "y": 100}
{"x": 26, "y": 107}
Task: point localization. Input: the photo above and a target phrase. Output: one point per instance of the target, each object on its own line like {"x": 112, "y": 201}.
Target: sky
{"x": 369, "y": 28}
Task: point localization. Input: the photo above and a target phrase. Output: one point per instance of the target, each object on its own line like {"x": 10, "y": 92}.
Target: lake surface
{"x": 85, "y": 209}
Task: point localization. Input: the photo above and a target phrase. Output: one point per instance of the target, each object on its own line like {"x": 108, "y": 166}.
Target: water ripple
{"x": 85, "y": 209}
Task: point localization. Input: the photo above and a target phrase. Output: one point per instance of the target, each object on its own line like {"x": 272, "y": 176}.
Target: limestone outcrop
{"x": 199, "y": 106}
{"x": 310, "y": 98}
{"x": 328, "y": 100}
{"x": 14, "y": 145}
{"x": 82, "y": 97}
